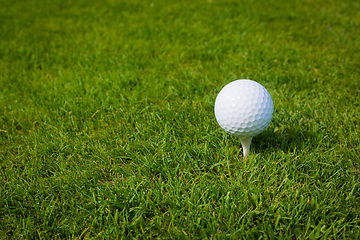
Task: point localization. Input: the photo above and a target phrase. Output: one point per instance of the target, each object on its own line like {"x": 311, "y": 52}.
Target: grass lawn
{"x": 107, "y": 127}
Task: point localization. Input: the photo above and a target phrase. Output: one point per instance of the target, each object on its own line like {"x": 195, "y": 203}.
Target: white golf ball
{"x": 244, "y": 108}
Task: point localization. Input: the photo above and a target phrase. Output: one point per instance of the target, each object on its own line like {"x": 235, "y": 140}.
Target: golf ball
{"x": 243, "y": 108}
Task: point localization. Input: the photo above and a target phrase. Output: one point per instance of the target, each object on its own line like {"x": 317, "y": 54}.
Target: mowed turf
{"x": 107, "y": 127}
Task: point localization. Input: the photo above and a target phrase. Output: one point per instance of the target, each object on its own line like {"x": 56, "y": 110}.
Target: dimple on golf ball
{"x": 244, "y": 108}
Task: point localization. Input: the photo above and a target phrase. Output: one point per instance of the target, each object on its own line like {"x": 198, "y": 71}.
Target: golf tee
{"x": 245, "y": 142}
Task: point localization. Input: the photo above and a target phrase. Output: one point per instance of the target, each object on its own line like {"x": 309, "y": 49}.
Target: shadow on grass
{"x": 287, "y": 141}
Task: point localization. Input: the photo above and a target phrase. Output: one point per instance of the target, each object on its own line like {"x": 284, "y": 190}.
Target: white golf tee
{"x": 245, "y": 142}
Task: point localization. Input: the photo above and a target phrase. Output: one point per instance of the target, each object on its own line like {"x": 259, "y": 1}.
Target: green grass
{"x": 107, "y": 127}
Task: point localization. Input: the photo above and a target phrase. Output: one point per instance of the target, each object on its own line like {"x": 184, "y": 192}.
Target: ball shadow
{"x": 287, "y": 140}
